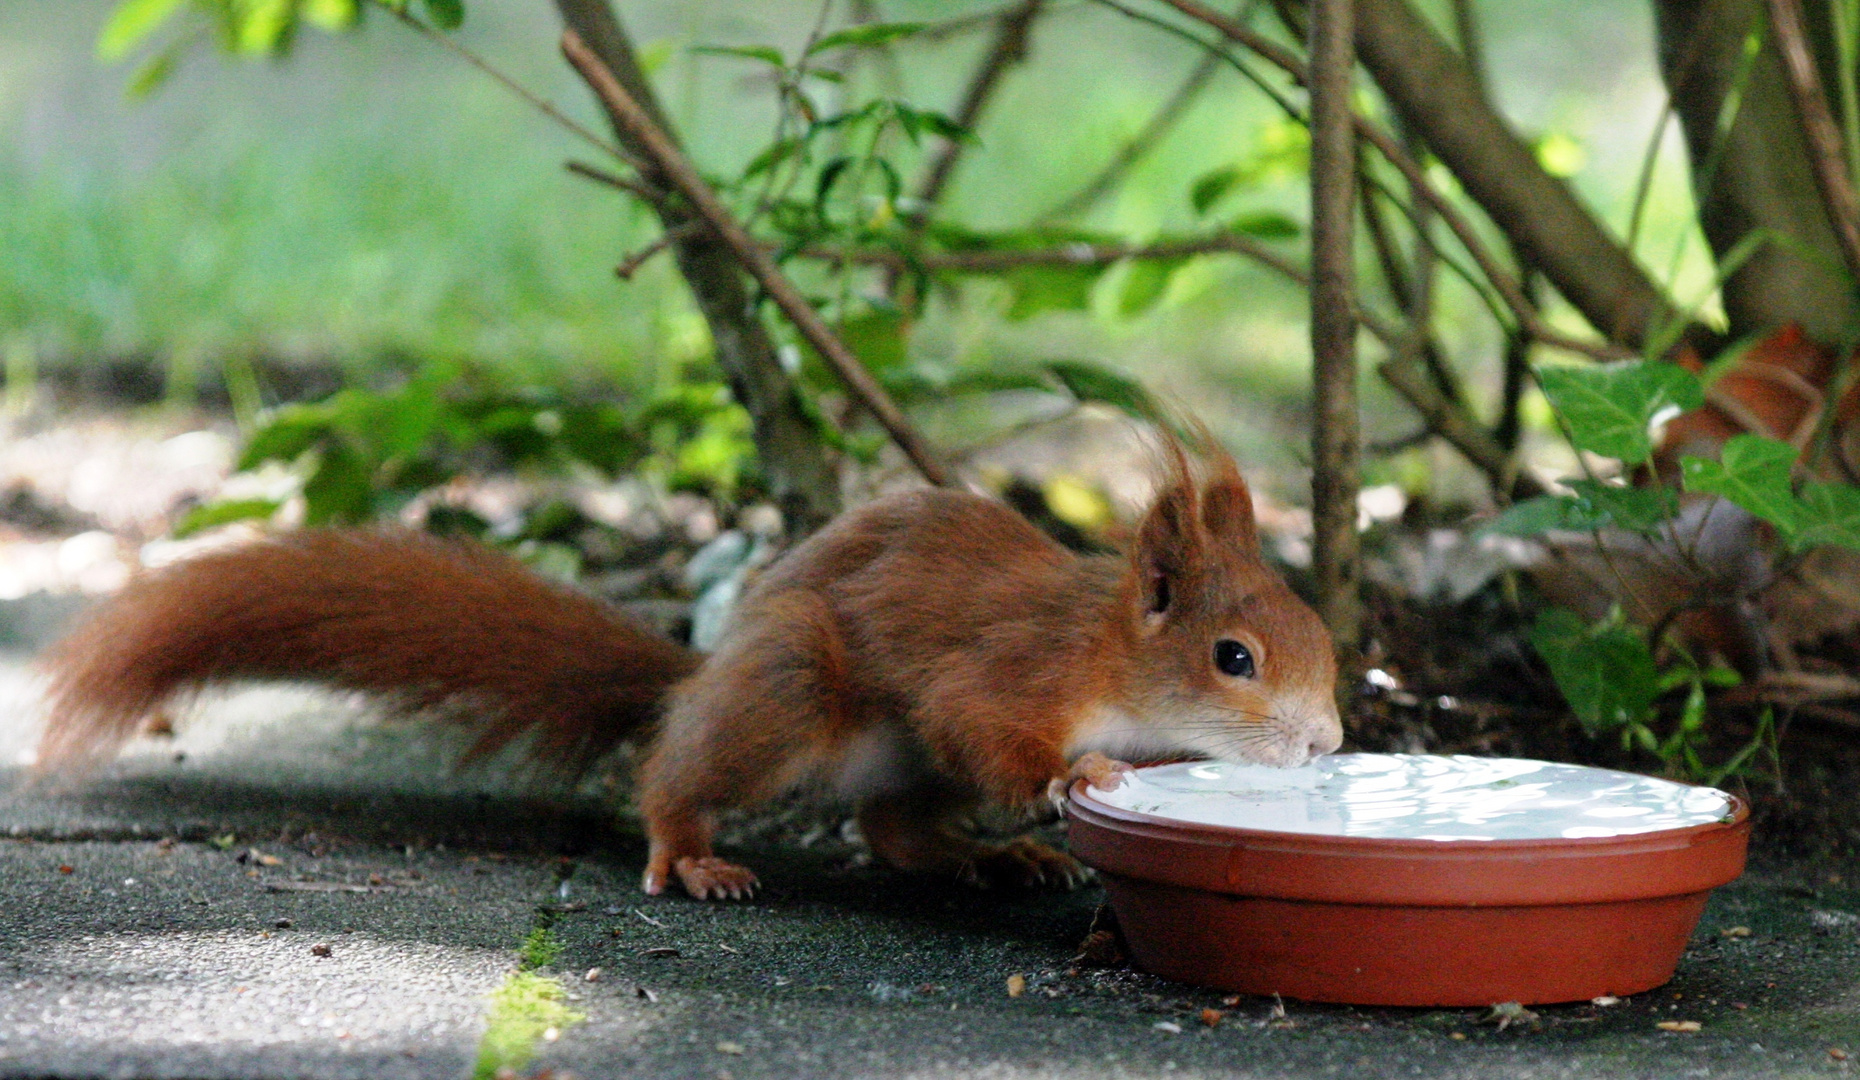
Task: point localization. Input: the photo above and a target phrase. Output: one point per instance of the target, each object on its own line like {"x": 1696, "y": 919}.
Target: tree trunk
{"x": 801, "y": 479}
{"x": 1762, "y": 178}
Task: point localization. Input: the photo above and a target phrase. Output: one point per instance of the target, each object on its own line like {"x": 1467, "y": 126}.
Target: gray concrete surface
{"x": 140, "y": 936}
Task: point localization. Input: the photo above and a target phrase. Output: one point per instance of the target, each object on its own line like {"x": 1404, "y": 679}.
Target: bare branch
{"x": 1451, "y": 423}
{"x": 1139, "y": 145}
{"x": 1437, "y": 97}
{"x": 801, "y": 475}
{"x": 1336, "y": 448}
{"x": 1823, "y": 138}
{"x": 669, "y": 162}
{"x": 632, "y": 187}
{"x": 1008, "y": 48}
{"x": 1390, "y": 148}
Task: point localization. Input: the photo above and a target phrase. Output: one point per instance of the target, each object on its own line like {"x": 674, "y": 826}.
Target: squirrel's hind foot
{"x": 1022, "y": 864}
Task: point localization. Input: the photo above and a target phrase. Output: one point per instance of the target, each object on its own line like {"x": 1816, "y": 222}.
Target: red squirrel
{"x": 919, "y": 656}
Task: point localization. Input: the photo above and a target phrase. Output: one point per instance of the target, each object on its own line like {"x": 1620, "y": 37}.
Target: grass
{"x": 371, "y": 200}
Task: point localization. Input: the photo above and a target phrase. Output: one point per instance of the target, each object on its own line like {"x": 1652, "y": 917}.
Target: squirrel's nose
{"x": 1327, "y": 737}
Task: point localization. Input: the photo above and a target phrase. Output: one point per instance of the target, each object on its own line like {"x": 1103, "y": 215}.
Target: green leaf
{"x": 333, "y": 15}
{"x": 867, "y": 36}
{"x": 446, "y": 14}
{"x": 1641, "y": 510}
{"x": 1208, "y": 189}
{"x": 876, "y": 337}
{"x": 1828, "y": 514}
{"x": 768, "y": 54}
{"x": 1611, "y": 407}
{"x": 1545, "y": 513}
{"x": 1090, "y": 382}
{"x": 213, "y": 515}
{"x": 289, "y": 432}
{"x": 339, "y": 492}
{"x": 1040, "y": 287}
{"x": 263, "y": 27}
{"x": 1605, "y": 671}
{"x": 1266, "y": 225}
{"x": 131, "y": 24}
{"x": 155, "y": 71}
{"x": 1144, "y": 282}
{"x": 1752, "y": 472}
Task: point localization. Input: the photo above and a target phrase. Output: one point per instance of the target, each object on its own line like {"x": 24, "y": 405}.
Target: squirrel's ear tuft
{"x": 1167, "y": 544}
{"x": 1227, "y": 512}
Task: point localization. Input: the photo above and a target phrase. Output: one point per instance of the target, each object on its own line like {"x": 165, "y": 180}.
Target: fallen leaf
{"x": 1735, "y": 931}
{"x": 1837, "y": 1053}
{"x": 593, "y": 975}
{"x": 320, "y": 949}
{"x": 664, "y": 952}
{"x": 1016, "y": 985}
{"x": 1169, "y": 1026}
{"x": 729, "y": 1048}
{"x": 1678, "y": 1025}
{"x": 67, "y": 868}
{"x": 1605, "y": 1000}
{"x": 1212, "y": 1017}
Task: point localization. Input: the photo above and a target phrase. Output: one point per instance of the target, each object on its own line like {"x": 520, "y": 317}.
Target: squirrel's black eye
{"x": 1233, "y": 658}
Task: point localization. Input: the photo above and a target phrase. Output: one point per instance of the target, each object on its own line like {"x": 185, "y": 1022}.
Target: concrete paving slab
{"x": 156, "y": 960}
{"x": 837, "y": 969}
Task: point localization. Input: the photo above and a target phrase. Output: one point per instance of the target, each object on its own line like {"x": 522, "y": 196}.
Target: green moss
{"x": 522, "y": 1009}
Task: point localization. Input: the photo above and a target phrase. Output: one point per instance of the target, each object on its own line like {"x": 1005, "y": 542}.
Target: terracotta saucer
{"x": 1397, "y": 921}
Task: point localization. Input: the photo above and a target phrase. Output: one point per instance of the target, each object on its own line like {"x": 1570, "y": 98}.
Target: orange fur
{"x": 921, "y": 655}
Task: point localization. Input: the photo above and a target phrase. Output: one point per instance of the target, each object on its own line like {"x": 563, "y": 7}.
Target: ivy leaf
{"x": 1611, "y": 407}
{"x": 867, "y": 36}
{"x": 1641, "y": 510}
{"x": 1545, "y": 513}
{"x": 1605, "y": 672}
{"x": 211, "y": 515}
{"x": 1752, "y": 472}
{"x": 446, "y": 14}
{"x": 1828, "y": 514}
{"x": 1089, "y": 382}
{"x": 131, "y": 24}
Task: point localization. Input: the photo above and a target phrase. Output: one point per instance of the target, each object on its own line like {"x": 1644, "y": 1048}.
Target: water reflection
{"x": 1420, "y": 796}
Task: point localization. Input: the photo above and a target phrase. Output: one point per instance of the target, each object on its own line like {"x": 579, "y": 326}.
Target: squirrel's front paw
{"x": 1101, "y": 772}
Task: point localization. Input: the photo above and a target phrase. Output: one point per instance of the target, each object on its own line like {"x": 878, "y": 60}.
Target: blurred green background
{"x": 372, "y": 202}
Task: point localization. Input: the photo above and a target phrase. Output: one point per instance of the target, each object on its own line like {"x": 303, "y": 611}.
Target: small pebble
{"x": 320, "y": 949}
{"x": 729, "y": 1048}
{"x": 1678, "y": 1025}
{"x": 593, "y": 975}
{"x": 1169, "y": 1026}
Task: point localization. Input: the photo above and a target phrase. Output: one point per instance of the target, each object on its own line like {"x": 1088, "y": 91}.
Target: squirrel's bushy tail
{"x": 421, "y": 621}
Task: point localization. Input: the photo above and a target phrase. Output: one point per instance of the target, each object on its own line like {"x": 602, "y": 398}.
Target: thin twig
{"x": 1142, "y": 142}
{"x": 1825, "y": 153}
{"x": 1451, "y": 423}
{"x": 524, "y": 94}
{"x": 670, "y": 237}
{"x": 601, "y": 176}
{"x": 985, "y": 262}
{"x": 1390, "y": 149}
{"x": 1008, "y": 48}
{"x": 670, "y": 163}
